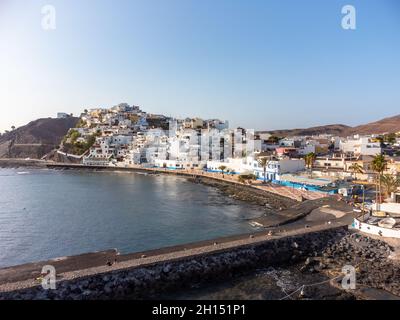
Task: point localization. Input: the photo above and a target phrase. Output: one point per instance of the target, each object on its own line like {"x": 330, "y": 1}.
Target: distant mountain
{"x": 387, "y": 125}
{"x": 35, "y": 139}
{"x": 335, "y": 129}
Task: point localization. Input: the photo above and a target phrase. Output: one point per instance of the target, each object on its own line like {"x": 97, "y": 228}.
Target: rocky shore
{"x": 371, "y": 258}
{"x": 271, "y": 202}
{"x": 317, "y": 277}
{"x": 22, "y": 163}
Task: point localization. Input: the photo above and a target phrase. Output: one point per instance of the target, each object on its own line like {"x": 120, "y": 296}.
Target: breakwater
{"x": 143, "y": 277}
{"x": 15, "y": 163}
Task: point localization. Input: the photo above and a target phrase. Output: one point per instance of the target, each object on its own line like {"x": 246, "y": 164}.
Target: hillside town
{"x": 362, "y": 169}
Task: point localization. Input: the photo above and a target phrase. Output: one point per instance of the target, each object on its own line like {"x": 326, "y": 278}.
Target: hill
{"x": 35, "y": 139}
{"x": 387, "y": 125}
{"x": 335, "y": 129}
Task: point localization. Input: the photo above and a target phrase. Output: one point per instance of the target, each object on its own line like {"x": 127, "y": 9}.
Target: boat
{"x": 380, "y": 214}
{"x": 387, "y": 223}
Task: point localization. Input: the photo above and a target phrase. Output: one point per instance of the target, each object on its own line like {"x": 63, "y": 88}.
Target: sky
{"x": 261, "y": 64}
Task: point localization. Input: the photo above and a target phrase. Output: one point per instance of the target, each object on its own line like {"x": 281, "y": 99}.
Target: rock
{"x": 167, "y": 268}
{"x": 87, "y": 293}
{"x": 322, "y": 266}
{"x": 107, "y": 288}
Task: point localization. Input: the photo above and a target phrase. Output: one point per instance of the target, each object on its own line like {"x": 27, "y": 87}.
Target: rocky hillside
{"x": 35, "y": 139}
{"x": 387, "y": 125}
{"x": 335, "y": 129}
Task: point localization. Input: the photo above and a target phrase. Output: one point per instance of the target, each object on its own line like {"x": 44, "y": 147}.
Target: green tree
{"x": 264, "y": 163}
{"x": 246, "y": 178}
{"x": 74, "y": 135}
{"x": 222, "y": 168}
{"x": 356, "y": 168}
{"x": 378, "y": 165}
{"x": 390, "y": 183}
{"x": 310, "y": 159}
{"x": 390, "y": 138}
{"x": 273, "y": 139}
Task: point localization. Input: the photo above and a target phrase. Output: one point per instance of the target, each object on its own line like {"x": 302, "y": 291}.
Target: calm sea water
{"x": 46, "y": 214}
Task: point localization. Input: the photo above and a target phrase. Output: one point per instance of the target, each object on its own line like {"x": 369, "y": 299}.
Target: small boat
{"x": 387, "y": 223}
{"x": 380, "y": 214}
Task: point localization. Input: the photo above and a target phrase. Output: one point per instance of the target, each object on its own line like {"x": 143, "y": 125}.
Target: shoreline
{"x": 279, "y": 209}
{"x": 289, "y": 224}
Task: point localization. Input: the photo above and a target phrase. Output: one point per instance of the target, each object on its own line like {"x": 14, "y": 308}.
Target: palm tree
{"x": 310, "y": 159}
{"x": 222, "y": 168}
{"x": 390, "y": 183}
{"x": 356, "y": 168}
{"x": 264, "y": 163}
{"x": 378, "y": 165}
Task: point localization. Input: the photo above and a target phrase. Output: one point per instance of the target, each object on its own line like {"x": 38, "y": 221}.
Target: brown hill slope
{"x": 387, "y": 125}
{"x": 35, "y": 139}
{"x": 335, "y": 129}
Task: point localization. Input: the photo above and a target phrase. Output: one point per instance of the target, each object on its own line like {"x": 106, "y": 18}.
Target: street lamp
{"x": 363, "y": 201}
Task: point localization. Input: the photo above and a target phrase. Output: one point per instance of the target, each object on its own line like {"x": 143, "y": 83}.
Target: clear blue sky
{"x": 259, "y": 64}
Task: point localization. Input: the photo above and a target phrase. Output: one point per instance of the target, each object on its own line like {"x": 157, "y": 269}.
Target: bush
{"x": 243, "y": 178}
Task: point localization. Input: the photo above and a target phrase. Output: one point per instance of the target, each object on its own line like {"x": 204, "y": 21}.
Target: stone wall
{"x": 144, "y": 281}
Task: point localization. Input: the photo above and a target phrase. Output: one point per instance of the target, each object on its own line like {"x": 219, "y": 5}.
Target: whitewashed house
{"x": 360, "y": 145}
{"x": 274, "y": 170}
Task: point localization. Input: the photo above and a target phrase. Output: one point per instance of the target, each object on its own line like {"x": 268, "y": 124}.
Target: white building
{"x": 274, "y": 170}
{"x": 62, "y": 115}
{"x": 97, "y": 161}
{"x": 360, "y": 146}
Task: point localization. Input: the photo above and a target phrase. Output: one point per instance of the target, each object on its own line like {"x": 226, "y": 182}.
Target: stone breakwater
{"x": 147, "y": 281}
{"x": 18, "y": 163}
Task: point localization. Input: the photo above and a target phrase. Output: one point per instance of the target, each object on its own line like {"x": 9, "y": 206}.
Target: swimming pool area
{"x": 305, "y": 186}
